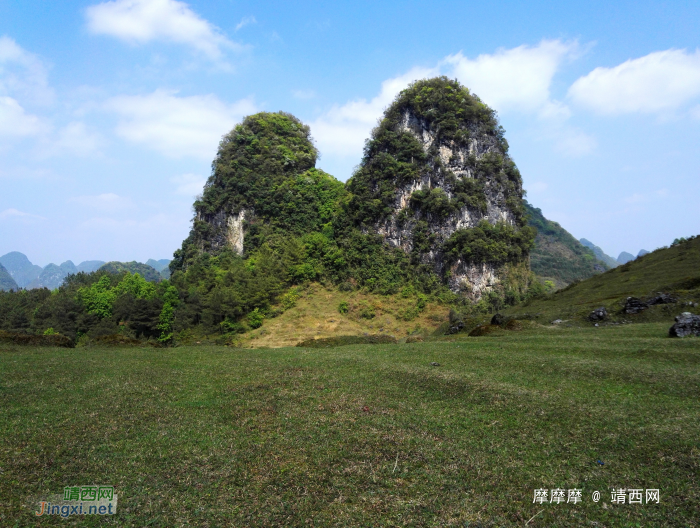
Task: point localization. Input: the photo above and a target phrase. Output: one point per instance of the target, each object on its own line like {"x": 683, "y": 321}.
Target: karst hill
{"x": 436, "y": 200}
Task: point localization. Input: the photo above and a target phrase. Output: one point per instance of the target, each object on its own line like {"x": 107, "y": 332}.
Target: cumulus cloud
{"x": 514, "y": 79}
{"x": 22, "y": 73}
{"x": 141, "y": 21}
{"x": 658, "y": 82}
{"x": 177, "y": 126}
{"x": 189, "y": 184}
{"x": 15, "y": 122}
{"x": 106, "y": 202}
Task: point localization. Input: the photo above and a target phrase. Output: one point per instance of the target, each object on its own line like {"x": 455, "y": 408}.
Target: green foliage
{"x": 343, "y": 307}
{"x": 255, "y": 318}
{"x": 50, "y": 331}
{"x": 289, "y": 299}
{"x": 98, "y": 298}
{"x": 557, "y": 255}
{"x": 167, "y": 315}
{"x": 498, "y": 243}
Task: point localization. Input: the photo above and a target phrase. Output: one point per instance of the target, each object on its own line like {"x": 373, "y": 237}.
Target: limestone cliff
{"x": 436, "y": 181}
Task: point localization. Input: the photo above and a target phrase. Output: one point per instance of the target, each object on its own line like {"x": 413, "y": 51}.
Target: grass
{"x": 316, "y": 316}
{"x": 675, "y": 269}
{"x": 359, "y": 435}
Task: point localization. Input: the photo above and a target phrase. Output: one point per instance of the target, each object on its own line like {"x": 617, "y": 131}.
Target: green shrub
{"x": 343, "y": 307}
{"x": 255, "y": 318}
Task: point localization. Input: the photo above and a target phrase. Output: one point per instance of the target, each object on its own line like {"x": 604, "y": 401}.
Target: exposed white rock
{"x": 234, "y": 232}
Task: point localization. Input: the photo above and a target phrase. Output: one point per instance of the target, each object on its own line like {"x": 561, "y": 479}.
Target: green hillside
{"x": 557, "y": 255}
{"x": 7, "y": 283}
{"x": 600, "y": 254}
{"x": 674, "y": 270}
{"x": 147, "y": 272}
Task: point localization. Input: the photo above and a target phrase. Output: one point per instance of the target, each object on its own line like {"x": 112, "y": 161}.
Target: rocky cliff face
{"x": 436, "y": 181}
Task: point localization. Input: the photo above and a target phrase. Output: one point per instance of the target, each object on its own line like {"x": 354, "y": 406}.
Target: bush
{"x": 343, "y": 307}
{"x": 255, "y": 318}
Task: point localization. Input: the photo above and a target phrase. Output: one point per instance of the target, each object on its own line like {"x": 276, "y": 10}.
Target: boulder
{"x": 498, "y": 319}
{"x": 687, "y": 324}
{"x": 634, "y": 305}
{"x": 662, "y": 298}
{"x": 599, "y": 314}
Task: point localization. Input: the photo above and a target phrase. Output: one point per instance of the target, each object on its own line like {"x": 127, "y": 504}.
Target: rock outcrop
{"x": 599, "y": 314}
{"x": 436, "y": 181}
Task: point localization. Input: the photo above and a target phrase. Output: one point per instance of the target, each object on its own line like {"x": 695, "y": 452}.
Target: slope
{"x": 674, "y": 270}
{"x": 557, "y": 255}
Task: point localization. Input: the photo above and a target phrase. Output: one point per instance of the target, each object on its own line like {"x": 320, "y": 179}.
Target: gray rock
{"x": 557, "y": 321}
{"x": 599, "y": 314}
{"x": 662, "y": 298}
{"x": 687, "y": 324}
{"x": 634, "y": 305}
{"x": 435, "y": 364}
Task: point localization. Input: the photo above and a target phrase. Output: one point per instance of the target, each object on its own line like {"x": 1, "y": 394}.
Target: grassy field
{"x": 359, "y": 435}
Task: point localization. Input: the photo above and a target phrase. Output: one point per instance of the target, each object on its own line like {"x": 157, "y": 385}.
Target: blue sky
{"x": 111, "y": 112}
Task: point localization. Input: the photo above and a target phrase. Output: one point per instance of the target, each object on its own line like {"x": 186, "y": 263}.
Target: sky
{"x": 111, "y": 112}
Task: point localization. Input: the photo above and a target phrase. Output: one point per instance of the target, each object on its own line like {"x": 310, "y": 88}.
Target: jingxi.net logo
{"x": 81, "y": 500}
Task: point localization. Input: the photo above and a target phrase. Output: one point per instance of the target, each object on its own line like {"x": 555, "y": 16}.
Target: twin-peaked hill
{"x": 435, "y": 201}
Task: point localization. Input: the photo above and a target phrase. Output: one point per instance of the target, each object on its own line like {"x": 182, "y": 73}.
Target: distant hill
{"x": 89, "y": 266}
{"x": 642, "y": 252}
{"x": 19, "y": 267}
{"x": 52, "y": 276}
{"x": 158, "y": 265}
{"x": 674, "y": 270}
{"x": 161, "y": 266}
{"x": 557, "y": 255}
{"x": 7, "y": 283}
{"x": 147, "y": 272}
{"x": 600, "y": 254}
{"x": 625, "y": 257}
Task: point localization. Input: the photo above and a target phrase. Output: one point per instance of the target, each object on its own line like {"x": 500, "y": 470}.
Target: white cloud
{"x": 23, "y": 73}
{"x": 177, "y": 126}
{"x": 304, "y": 94}
{"x": 246, "y": 21}
{"x": 514, "y": 79}
{"x": 189, "y": 185}
{"x": 14, "y": 213}
{"x": 343, "y": 129}
{"x": 106, "y": 202}
{"x": 140, "y": 21}
{"x": 660, "y": 81}
{"x": 517, "y": 79}
{"x": 15, "y": 122}
{"x": 75, "y": 138}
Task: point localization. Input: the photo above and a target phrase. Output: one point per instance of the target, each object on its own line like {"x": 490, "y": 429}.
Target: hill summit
{"x": 436, "y": 201}
{"x": 436, "y": 181}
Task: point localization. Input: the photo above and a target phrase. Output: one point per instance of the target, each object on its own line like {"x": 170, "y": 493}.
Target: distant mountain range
{"x": 16, "y": 271}
{"x": 623, "y": 258}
